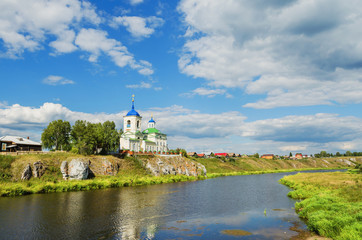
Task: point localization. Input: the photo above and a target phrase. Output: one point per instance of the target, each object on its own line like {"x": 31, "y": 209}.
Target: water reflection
{"x": 194, "y": 210}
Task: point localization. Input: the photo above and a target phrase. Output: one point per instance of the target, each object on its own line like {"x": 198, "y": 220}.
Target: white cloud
{"x": 298, "y": 53}
{"x": 30, "y": 25}
{"x": 207, "y": 92}
{"x": 141, "y": 85}
{"x": 25, "y": 24}
{"x": 57, "y": 80}
{"x": 193, "y": 130}
{"x": 135, "y": 2}
{"x": 139, "y": 27}
{"x": 97, "y": 42}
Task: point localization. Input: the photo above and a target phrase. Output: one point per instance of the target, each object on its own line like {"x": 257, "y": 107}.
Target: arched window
{"x": 138, "y": 124}
{"x": 128, "y": 123}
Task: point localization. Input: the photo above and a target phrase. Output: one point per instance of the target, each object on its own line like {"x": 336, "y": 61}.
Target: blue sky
{"x": 233, "y": 76}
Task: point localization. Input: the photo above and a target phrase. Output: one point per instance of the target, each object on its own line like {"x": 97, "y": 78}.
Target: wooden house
{"x": 18, "y": 144}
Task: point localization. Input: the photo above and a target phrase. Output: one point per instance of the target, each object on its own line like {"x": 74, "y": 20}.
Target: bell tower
{"x": 132, "y": 121}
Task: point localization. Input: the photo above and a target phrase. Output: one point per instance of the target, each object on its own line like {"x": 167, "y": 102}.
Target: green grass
{"x": 39, "y": 186}
{"x": 331, "y": 202}
{"x": 5, "y": 167}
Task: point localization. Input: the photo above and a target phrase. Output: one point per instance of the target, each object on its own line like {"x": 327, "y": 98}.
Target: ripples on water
{"x": 189, "y": 210}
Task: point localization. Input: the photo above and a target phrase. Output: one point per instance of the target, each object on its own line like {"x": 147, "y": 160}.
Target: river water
{"x": 257, "y": 204}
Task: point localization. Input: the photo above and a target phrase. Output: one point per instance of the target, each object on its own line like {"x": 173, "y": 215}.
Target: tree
{"x": 56, "y": 135}
{"x": 110, "y": 137}
{"x": 256, "y": 155}
{"x": 338, "y": 154}
{"x": 290, "y": 154}
{"x": 348, "y": 153}
{"x": 94, "y": 138}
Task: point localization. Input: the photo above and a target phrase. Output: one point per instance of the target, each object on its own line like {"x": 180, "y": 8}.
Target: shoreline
{"x": 36, "y": 186}
{"x": 329, "y": 204}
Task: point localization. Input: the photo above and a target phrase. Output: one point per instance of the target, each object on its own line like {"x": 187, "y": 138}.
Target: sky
{"x": 223, "y": 76}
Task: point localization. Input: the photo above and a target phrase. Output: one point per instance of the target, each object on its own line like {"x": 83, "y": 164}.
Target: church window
{"x": 128, "y": 123}
{"x": 138, "y": 124}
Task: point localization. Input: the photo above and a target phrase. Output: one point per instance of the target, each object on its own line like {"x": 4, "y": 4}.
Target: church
{"x": 134, "y": 139}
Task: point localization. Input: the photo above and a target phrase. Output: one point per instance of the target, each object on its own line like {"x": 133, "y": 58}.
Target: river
{"x": 256, "y": 204}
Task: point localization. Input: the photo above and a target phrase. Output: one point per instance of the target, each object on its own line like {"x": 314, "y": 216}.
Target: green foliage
{"x": 331, "y": 207}
{"x": 93, "y": 138}
{"x": 5, "y": 165}
{"x": 56, "y": 135}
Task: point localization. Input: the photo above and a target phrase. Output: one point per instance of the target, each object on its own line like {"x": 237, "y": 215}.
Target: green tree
{"x": 94, "y": 138}
{"x": 256, "y": 155}
{"x": 348, "y": 153}
{"x": 109, "y": 137}
{"x": 338, "y": 154}
{"x": 56, "y": 135}
{"x": 290, "y": 154}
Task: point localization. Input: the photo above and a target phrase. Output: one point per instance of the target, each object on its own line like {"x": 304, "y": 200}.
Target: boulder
{"x": 109, "y": 168}
{"x": 27, "y": 173}
{"x": 38, "y": 169}
{"x": 64, "y": 169}
{"x": 78, "y": 169}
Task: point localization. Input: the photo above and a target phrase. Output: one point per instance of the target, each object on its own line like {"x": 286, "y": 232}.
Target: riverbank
{"x": 130, "y": 172}
{"x": 331, "y": 202}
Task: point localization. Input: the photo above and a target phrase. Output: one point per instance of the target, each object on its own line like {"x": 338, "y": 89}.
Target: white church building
{"x": 134, "y": 139}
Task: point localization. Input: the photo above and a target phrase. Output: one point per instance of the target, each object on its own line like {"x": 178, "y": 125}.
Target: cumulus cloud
{"x": 297, "y": 53}
{"x": 57, "y": 80}
{"x": 97, "y": 42}
{"x": 21, "y": 29}
{"x": 194, "y": 130}
{"x": 139, "y": 27}
{"x": 58, "y": 24}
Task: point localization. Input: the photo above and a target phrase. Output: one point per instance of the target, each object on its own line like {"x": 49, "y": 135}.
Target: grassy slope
{"x": 215, "y": 165}
{"x": 332, "y": 202}
{"x": 130, "y": 172}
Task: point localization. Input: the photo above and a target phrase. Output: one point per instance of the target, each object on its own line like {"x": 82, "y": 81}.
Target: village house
{"x": 221, "y": 155}
{"x": 192, "y": 154}
{"x": 268, "y": 156}
{"x": 298, "y": 156}
{"x": 17, "y": 144}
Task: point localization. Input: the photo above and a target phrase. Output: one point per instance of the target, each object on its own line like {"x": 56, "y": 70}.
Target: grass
{"x": 5, "y": 167}
{"x": 40, "y": 186}
{"x": 130, "y": 172}
{"x": 331, "y": 202}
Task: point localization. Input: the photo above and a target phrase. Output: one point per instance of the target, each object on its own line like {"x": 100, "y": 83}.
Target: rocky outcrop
{"x": 76, "y": 169}
{"x": 64, "y": 170}
{"x": 27, "y": 173}
{"x": 109, "y": 168}
{"x": 38, "y": 169}
{"x": 173, "y": 166}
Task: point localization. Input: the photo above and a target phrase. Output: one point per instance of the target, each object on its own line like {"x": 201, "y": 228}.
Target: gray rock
{"x": 78, "y": 170}
{"x": 27, "y": 173}
{"x": 64, "y": 169}
{"x": 39, "y": 169}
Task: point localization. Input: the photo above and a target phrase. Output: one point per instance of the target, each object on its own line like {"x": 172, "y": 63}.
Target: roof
{"x": 191, "y": 153}
{"x": 19, "y": 140}
{"x": 151, "y": 130}
{"x": 152, "y": 121}
{"x": 221, "y": 154}
{"x": 268, "y": 155}
{"x": 133, "y": 112}
{"x": 201, "y": 154}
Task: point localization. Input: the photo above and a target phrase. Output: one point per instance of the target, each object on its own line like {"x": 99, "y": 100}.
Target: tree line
{"x": 83, "y": 137}
{"x": 337, "y": 154}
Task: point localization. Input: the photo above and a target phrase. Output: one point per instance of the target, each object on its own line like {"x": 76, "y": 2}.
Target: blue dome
{"x": 133, "y": 113}
{"x": 151, "y": 121}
